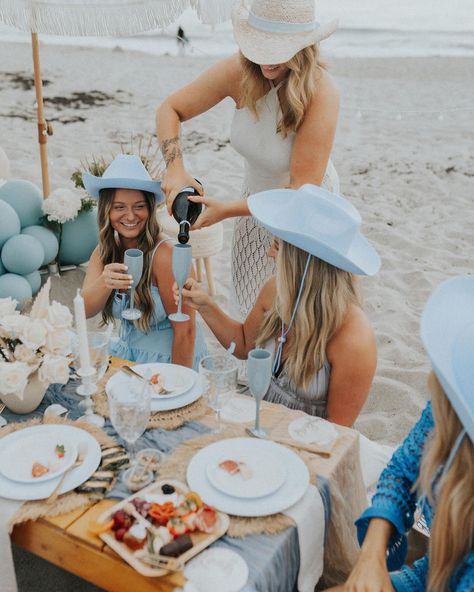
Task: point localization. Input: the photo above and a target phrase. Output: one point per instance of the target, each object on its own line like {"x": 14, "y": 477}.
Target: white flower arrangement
{"x": 40, "y": 341}
{"x": 62, "y": 205}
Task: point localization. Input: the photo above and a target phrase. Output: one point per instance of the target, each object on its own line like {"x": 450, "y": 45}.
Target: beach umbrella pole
{"x": 43, "y": 128}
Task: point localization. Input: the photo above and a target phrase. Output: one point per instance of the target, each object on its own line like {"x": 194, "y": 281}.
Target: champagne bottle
{"x": 185, "y": 212}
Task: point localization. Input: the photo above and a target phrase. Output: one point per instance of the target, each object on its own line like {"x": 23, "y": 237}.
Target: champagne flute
{"x": 220, "y": 373}
{"x": 133, "y": 259}
{"x": 182, "y": 258}
{"x": 259, "y": 374}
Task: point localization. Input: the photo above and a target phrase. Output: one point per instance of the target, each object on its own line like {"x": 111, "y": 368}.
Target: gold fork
{"x": 2, "y": 408}
{"x": 78, "y": 462}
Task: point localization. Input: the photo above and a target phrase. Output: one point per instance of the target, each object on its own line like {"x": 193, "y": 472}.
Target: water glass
{"x": 220, "y": 374}
{"x": 259, "y": 375}
{"x": 181, "y": 263}
{"x": 133, "y": 259}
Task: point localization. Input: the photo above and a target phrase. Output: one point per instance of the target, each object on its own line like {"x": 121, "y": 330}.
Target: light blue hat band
{"x": 279, "y": 27}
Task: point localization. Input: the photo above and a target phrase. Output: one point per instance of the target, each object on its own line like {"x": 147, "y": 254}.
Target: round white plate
{"x": 36, "y": 491}
{"x": 313, "y": 430}
{"x": 217, "y": 569}
{"x": 293, "y": 489}
{"x": 160, "y": 403}
{"x": 19, "y": 456}
{"x": 173, "y": 377}
{"x": 262, "y": 473}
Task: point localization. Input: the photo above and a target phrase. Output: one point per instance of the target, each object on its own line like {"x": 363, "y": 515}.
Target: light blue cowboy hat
{"x": 447, "y": 331}
{"x": 319, "y": 222}
{"x": 126, "y": 171}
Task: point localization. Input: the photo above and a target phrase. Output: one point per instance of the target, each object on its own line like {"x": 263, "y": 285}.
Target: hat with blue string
{"x": 126, "y": 171}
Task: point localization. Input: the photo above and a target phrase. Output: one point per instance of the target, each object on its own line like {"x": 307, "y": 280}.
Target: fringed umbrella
{"x": 95, "y": 18}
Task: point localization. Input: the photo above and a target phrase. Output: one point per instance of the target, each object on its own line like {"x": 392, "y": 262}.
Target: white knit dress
{"x": 267, "y": 166}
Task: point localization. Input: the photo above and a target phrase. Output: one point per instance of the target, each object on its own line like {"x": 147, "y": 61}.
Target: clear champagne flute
{"x": 133, "y": 259}
{"x": 220, "y": 373}
{"x": 182, "y": 259}
{"x": 259, "y": 374}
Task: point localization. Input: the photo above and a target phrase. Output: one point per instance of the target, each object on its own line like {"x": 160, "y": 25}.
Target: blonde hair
{"x": 452, "y": 531}
{"x": 326, "y": 294}
{"x": 111, "y": 250}
{"x": 299, "y": 87}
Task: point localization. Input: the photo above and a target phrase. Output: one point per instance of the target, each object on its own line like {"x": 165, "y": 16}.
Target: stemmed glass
{"x": 182, "y": 258}
{"x": 133, "y": 259}
{"x": 220, "y": 373}
{"x": 259, "y": 375}
{"x": 129, "y": 410}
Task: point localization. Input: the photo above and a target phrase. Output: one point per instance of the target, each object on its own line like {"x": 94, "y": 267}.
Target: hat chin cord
{"x": 282, "y": 338}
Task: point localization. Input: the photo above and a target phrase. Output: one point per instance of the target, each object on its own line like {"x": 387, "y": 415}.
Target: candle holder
{"x": 87, "y": 389}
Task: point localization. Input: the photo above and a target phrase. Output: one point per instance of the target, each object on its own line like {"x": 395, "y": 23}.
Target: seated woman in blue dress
{"x": 433, "y": 468}
{"x": 127, "y": 198}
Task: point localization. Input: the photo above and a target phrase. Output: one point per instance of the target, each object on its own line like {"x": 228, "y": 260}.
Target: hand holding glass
{"x": 220, "y": 373}
{"x": 182, "y": 259}
{"x": 133, "y": 259}
{"x": 259, "y": 374}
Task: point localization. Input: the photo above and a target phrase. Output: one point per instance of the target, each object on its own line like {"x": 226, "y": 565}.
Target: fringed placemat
{"x": 67, "y": 502}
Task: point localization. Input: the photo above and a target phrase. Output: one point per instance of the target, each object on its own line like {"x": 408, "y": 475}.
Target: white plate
{"x": 160, "y": 403}
{"x": 173, "y": 377}
{"x": 289, "y": 493}
{"x": 313, "y": 430}
{"x": 217, "y": 569}
{"x": 266, "y": 472}
{"x": 19, "y": 456}
{"x": 36, "y": 491}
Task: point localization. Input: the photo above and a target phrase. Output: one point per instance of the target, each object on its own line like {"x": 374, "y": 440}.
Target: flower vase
{"x": 32, "y": 396}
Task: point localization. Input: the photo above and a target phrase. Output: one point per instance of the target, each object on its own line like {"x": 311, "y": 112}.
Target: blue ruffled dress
{"x": 154, "y": 346}
{"x": 395, "y": 501}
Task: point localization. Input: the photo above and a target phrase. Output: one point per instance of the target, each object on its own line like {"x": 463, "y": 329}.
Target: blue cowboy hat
{"x": 447, "y": 331}
{"x": 124, "y": 172}
{"x": 319, "y": 222}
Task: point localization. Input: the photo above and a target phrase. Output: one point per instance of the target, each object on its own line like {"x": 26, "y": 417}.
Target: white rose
{"x": 13, "y": 324}
{"x": 54, "y": 369}
{"x": 25, "y": 354}
{"x": 62, "y": 205}
{"x": 59, "y": 316}
{"x": 33, "y": 334}
{"x": 58, "y": 341}
{"x": 13, "y": 378}
{"x": 8, "y": 307}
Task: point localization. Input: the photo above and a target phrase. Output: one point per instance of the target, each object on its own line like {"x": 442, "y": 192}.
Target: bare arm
{"x": 352, "y": 353}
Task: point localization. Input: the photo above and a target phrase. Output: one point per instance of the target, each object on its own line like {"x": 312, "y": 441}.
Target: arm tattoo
{"x": 171, "y": 150}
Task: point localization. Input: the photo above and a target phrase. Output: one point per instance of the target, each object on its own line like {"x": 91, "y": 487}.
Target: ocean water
{"x": 367, "y": 28}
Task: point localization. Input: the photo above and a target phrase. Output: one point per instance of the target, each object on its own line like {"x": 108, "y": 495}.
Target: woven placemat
{"x": 167, "y": 420}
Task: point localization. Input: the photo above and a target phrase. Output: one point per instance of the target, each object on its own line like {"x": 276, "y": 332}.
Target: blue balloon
{"x": 47, "y": 238}
{"x": 34, "y": 279}
{"x": 25, "y": 198}
{"x": 9, "y": 222}
{"x": 16, "y": 287}
{"x": 79, "y": 238}
{"x": 2, "y": 267}
{"x": 22, "y": 254}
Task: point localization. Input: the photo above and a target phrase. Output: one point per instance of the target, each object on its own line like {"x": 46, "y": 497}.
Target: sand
{"x": 410, "y": 175}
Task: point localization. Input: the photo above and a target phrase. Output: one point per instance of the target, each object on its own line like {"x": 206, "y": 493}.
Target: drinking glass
{"x": 259, "y": 375}
{"x": 182, "y": 258}
{"x": 129, "y": 410}
{"x": 133, "y": 259}
{"x": 220, "y": 374}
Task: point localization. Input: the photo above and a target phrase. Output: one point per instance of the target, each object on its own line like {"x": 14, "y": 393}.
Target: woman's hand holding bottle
{"x": 214, "y": 211}
{"x": 174, "y": 180}
{"x": 193, "y": 296}
{"x": 115, "y": 277}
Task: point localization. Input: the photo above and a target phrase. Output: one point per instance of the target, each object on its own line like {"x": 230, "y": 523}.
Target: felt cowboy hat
{"x": 447, "y": 331}
{"x": 124, "y": 172}
{"x": 319, "y": 222}
{"x": 273, "y": 31}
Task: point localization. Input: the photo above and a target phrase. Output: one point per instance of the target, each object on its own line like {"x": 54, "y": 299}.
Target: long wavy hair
{"x": 452, "y": 531}
{"x": 111, "y": 250}
{"x": 327, "y": 293}
{"x": 298, "y": 89}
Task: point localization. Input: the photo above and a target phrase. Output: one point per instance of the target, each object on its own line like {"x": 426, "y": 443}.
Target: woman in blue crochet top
{"x": 433, "y": 468}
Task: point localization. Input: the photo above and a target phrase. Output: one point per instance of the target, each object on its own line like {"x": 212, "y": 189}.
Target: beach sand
{"x": 410, "y": 175}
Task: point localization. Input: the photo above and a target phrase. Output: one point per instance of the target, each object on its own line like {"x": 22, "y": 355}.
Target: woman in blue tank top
{"x": 127, "y": 198}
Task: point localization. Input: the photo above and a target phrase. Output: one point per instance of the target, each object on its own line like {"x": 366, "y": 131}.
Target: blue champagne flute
{"x": 259, "y": 375}
{"x": 181, "y": 264}
{"x": 133, "y": 259}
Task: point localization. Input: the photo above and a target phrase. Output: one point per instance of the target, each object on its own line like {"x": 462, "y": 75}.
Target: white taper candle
{"x": 81, "y": 328}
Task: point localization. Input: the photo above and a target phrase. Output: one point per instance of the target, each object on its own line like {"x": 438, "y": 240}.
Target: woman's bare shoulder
{"x": 355, "y": 334}
{"x": 326, "y": 89}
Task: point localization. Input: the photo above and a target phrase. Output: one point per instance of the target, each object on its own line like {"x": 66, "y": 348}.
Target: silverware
{"x": 131, "y": 372}
{"x": 168, "y": 563}
{"x": 290, "y": 442}
{"x": 78, "y": 462}
{"x": 2, "y": 408}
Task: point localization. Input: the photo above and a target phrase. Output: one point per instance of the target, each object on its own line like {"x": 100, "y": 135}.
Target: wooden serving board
{"x": 201, "y": 540}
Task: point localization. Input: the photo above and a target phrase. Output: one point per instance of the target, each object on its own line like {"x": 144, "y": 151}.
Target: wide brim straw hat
{"x": 273, "y": 31}
{"x": 447, "y": 331}
{"x": 126, "y": 171}
{"x": 319, "y": 222}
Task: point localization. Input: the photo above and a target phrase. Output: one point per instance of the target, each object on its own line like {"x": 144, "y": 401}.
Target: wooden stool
{"x": 205, "y": 243}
